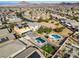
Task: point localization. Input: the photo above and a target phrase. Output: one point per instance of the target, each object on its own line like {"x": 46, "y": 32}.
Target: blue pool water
{"x": 34, "y": 55}
{"x": 40, "y": 40}
{"x": 55, "y": 36}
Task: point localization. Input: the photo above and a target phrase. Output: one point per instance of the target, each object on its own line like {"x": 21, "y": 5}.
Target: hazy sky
{"x": 36, "y": 1}
{"x": 39, "y": 0}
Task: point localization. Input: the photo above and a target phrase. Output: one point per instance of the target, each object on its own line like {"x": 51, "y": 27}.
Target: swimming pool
{"x": 55, "y": 36}
{"x": 34, "y": 55}
{"x": 40, "y": 40}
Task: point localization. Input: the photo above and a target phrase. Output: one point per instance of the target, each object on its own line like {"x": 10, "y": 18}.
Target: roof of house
{"x": 34, "y": 24}
{"x": 72, "y": 22}
{"x": 15, "y": 20}
{"x": 0, "y": 22}
{"x": 11, "y": 48}
{"x": 26, "y": 53}
{"x": 3, "y": 31}
{"x": 22, "y": 30}
{"x": 10, "y": 36}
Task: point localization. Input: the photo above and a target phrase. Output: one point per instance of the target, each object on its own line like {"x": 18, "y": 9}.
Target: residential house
{"x": 34, "y": 26}
{"x": 5, "y": 35}
{"x": 70, "y": 23}
{"x": 30, "y": 52}
{"x": 0, "y": 23}
{"x": 21, "y": 28}
{"x": 11, "y": 49}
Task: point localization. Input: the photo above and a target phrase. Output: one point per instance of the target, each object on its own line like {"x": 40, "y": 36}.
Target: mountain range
{"x": 36, "y": 2}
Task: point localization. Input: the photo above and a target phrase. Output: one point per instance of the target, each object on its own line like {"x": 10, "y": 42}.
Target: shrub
{"x": 59, "y": 29}
{"x": 44, "y": 30}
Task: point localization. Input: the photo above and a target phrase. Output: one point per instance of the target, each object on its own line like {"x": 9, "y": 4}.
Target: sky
{"x": 2, "y": 2}
{"x": 39, "y": 0}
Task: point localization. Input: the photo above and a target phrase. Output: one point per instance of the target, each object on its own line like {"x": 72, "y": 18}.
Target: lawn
{"x": 48, "y": 48}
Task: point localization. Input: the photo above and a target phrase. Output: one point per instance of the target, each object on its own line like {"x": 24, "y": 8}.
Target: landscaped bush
{"x": 44, "y": 30}
{"x": 43, "y": 20}
{"x": 57, "y": 24}
{"x": 11, "y": 25}
{"x": 46, "y": 36}
{"x": 75, "y": 18}
{"x": 52, "y": 22}
{"x": 59, "y": 29}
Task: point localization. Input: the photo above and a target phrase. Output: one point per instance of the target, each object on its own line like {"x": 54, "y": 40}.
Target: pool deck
{"x": 51, "y": 37}
{"x": 55, "y": 42}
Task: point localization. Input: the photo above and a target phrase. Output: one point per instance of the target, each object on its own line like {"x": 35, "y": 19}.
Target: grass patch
{"x": 48, "y": 48}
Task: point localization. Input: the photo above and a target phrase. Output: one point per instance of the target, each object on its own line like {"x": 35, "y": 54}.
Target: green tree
{"x": 11, "y": 25}
{"x": 42, "y": 20}
{"x": 59, "y": 29}
{"x": 40, "y": 30}
{"x": 44, "y": 30}
{"x": 50, "y": 17}
{"x": 57, "y": 24}
{"x": 75, "y": 18}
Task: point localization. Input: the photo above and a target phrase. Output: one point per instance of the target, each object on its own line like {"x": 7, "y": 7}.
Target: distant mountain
{"x": 14, "y": 3}
{"x": 35, "y": 3}
{"x": 23, "y": 3}
{"x": 68, "y": 3}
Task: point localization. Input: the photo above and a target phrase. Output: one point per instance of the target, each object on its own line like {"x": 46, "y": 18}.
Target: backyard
{"x": 57, "y": 28}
